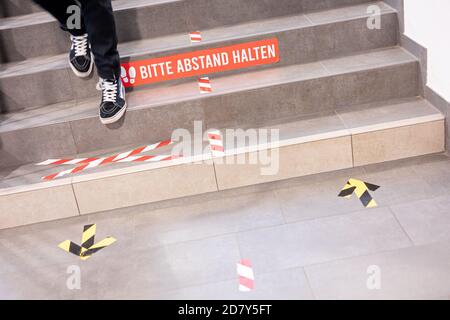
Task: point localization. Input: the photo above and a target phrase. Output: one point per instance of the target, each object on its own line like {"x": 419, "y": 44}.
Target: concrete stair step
{"x": 252, "y": 97}
{"x": 302, "y": 39}
{"x": 321, "y": 142}
{"x": 38, "y": 34}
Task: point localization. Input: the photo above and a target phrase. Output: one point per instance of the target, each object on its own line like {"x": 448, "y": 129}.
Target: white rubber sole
{"x": 116, "y": 118}
{"x": 83, "y": 74}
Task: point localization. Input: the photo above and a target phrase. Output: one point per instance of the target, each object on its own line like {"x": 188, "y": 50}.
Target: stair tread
{"x": 157, "y": 96}
{"x": 212, "y": 36}
{"x": 381, "y": 116}
{"x": 350, "y": 120}
{"x": 320, "y": 126}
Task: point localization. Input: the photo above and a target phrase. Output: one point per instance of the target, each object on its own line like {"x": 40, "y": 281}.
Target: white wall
{"x": 428, "y": 23}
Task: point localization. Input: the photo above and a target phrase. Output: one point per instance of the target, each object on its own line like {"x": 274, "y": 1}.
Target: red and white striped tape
{"x": 100, "y": 161}
{"x": 204, "y": 84}
{"x": 88, "y": 163}
{"x": 246, "y": 276}
{"x": 128, "y": 159}
{"x": 149, "y": 158}
{"x": 216, "y": 143}
{"x": 195, "y": 36}
{"x": 64, "y": 173}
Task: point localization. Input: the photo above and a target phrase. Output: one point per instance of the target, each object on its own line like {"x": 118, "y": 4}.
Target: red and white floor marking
{"x": 88, "y": 163}
{"x": 216, "y": 143}
{"x": 128, "y": 159}
{"x": 204, "y": 84}
{"x": 128, "y": 77}
{"x": 195, "y": 37}
{"x": 104, "y": 160}
{"x": 148, "y": 158}
{"x": 246, "y": 276}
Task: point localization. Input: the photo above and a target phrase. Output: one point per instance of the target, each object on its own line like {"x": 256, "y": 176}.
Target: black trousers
{"x": 97, "y": 20}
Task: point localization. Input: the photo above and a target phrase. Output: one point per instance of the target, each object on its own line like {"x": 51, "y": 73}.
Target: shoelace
{"x": 109, "y": 89}
{"x": 80, "y": 44}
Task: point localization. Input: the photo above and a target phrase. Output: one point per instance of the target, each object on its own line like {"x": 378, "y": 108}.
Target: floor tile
{"x": 286, "y": 284}
{"x": 319, "y": 199}
{"x": 206, "y": 219}
{"x": 322, "y": 240}
{"x": 147, "y": 273}
{"x": 425, "y": 221}
{"x": 188, "y": 248}
{"x": 410, "y": 273}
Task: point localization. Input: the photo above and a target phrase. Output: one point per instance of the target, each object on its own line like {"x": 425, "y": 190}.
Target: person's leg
{"x": 80, "y": 56}
{"x": 59, "y": 10}
{"x": 101, "y": 28}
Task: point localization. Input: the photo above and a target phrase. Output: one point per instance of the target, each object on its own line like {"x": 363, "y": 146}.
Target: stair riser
{"x": 398, "y": 143}
{"x": 301, "y": 45}
{"x": 205, "y": 14}
{"x": 11, "y": 8}
{"x": 21, "y": 209}
{"x": 32, "y": 41}
{"x": 153, "y": 21}
{"x": 241, "y": 108}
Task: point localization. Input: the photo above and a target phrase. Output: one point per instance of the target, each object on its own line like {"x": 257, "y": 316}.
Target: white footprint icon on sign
{"x": 132, "y": 73}
{"x": 123, "y": 74}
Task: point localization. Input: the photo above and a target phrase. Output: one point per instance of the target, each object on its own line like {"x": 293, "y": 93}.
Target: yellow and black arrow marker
{"x": 361, "y": 189}
{"x": 87, "y": 248}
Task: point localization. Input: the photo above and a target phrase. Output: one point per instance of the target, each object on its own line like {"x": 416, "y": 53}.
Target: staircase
{"x": 341, "y": 96}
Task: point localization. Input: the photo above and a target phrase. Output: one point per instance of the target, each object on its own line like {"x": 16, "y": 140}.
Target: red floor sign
{"x": 200, "y": 62}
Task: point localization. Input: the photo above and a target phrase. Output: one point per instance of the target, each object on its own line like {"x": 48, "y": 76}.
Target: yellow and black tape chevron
{"x": 88, "y": 246}
{"x": 361, "y": 189}
{"x": 88, "y": 237}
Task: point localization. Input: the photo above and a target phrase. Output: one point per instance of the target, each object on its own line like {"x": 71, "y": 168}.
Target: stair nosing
{"x": 397, "y": 124}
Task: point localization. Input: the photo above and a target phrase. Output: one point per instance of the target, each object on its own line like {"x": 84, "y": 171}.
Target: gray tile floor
{"x": 304, "y": 243}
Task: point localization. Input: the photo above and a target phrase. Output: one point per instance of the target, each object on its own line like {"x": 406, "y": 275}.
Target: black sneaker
{"x": 80, "y": 57}
{"x": 113, "y": 104}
